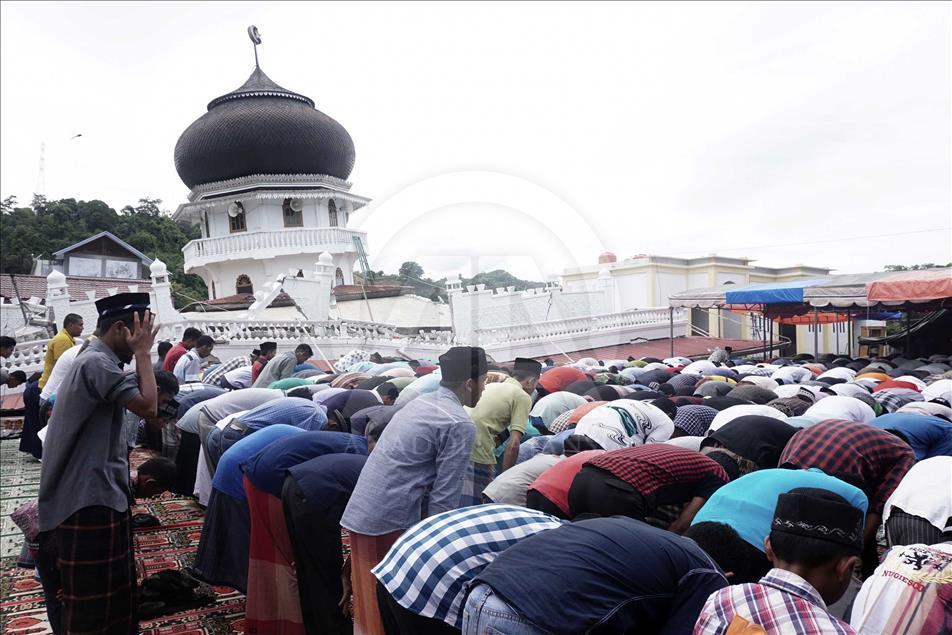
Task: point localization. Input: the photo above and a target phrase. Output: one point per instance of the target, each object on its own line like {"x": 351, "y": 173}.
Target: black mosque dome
{"x": 262, "y": 128}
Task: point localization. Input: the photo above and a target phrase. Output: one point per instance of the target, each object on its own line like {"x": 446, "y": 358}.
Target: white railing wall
{"x": 581, "y": 333}
{"x": 296, "y": 239}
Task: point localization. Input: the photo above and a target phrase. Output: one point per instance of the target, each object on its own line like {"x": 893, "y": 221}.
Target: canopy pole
{"x": 816, "y": 334}
{"x": 836, "y": 334}
{"x": 671, "y": 328}
{"x": 763, "y": 332}
{"x": 908, "y": 352}
{"x": 770, "y": 350}
{"x": 849, "y": 333}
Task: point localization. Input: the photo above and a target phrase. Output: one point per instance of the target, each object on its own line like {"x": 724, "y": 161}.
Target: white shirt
{"x": 511, "y": 486}
{"x": 689, "y": 443}
{"x": 763, "y": 382}
{"x": 926, "y": 491}
{"x": 840, "y": 407}
{"x": 727, "y": 415}
{"x": 793, "y": 374}
{"x": 188, "y": 367}
{"x": 702, "y": 367}
{"x": 904, "y": 590}
{"x": 239, "y": 377}
{"x": 941, "y": 389}
{"x": 849, "y": 390}
{"x": 839, "y": 372}
{"x": 927, "y": 408}
{"x": 59, "y": 372}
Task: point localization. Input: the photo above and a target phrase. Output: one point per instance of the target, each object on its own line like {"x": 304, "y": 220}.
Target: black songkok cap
{"x": 819, "y": 514}
{"x": 121, "y": 304}
{"x": 268, "y": 346}
{"x": 463, "y": 362}
{"x": 527, "y": 365}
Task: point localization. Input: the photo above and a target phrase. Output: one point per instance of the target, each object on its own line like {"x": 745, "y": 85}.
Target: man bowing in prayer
{"x": 84, "y": 484}
{"x": 415, "y": 471}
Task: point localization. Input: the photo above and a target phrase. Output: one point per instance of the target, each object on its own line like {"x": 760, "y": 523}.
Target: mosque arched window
{"x": 338, "y": 277}
{"x": 293, "y": 213}
{"x": 332, "y": 213}
{"x": 243, "y": 284}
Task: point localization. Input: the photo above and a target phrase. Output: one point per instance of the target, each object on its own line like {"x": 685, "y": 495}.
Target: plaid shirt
{"x": 782, "y": 602}
{"x": 695, "y": 420}
{"x": 427, "y": 569}
{"x": 892, "y": 399}
{"x": 650, "y": 467}
{"x": 682, "y": 381}
{"x": 219, "y": 371}
{"x": 877, "y": 457}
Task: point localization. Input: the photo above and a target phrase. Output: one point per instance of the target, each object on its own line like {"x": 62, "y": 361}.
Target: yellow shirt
{"x": 61, "y": 343}
{"x": 503, "y": 405}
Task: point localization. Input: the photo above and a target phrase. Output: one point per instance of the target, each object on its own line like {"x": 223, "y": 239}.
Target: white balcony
{"x": 263, "y": 245}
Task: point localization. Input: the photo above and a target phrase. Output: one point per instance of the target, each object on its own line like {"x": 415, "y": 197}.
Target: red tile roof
{"x": 35, "y": 286}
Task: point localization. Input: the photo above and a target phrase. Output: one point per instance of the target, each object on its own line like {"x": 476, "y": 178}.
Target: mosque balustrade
{"x": 580, "y": 326}
{"x": 253, "y": 332}
{"x": 270, "y": 243}
{"x": 27, "y": 356}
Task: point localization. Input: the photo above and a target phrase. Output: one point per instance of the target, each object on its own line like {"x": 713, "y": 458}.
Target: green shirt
{"x": 504, "y": 405}
{"x": 289, "y": 383}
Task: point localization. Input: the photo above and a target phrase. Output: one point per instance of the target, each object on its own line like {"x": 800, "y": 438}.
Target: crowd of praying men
{"x": 727, "y": 495}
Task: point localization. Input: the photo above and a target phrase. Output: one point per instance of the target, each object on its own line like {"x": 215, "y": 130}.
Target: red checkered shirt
{"x": 650, "y": 467}
{"x": 879, "y": 458}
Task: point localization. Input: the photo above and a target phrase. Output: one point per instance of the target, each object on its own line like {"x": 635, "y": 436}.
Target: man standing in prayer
{"x": 84, "y": 484}
{"x": 416, "y": 471}
{"x": 814, "y": 545}
{"x": 7, "y": 344}
{"x": 162, "y": 349}
{"x": 282, "y": 367}
{"x": 504, "y": 406}
{"x": 189, "y": 366}
{"x": 265, "y": 354}
{"x": 61, "y": 342}
{"x": 189, "y": 338}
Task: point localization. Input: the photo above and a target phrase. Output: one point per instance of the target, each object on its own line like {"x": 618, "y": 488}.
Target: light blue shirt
{"x": 748, "y": 503}
{"x": 422, "y": 454}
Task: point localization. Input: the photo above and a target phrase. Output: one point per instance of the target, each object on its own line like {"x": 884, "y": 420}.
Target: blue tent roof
{"x": 772, "y": 292}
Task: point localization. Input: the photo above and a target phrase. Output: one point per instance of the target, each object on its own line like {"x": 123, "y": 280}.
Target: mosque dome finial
{"x": 262, "y": 128}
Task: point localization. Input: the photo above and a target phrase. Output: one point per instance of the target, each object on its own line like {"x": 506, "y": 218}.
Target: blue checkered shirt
{"x": 427, "y": 569}
{"x": 291, "y": 411}
{"x": 212, "y": 376}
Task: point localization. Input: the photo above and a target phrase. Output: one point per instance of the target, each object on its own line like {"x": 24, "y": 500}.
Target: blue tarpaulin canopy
{"x": 772, "y": 292}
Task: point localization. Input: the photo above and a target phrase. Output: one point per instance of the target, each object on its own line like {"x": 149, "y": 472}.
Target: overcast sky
{"x": 528, "y": 136}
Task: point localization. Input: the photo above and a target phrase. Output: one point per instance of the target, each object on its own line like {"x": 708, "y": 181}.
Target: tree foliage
{"x": 927, "y": 265}
{"x": 44, "y": 227}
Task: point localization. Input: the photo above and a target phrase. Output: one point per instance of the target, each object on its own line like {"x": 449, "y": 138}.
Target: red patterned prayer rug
{"x": 171, "y": 545}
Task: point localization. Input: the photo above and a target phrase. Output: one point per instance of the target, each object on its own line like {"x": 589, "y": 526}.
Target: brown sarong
{"x": 94, "y": 554}
{"x": 366, "y": 552}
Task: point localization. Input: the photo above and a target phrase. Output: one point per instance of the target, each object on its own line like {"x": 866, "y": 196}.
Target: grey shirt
{"x": 511, "y": 486}
{"x": 280, "y": 367}
{"x": 423, "y": 452}
{"x": 217, "y": 408}
{"x": 85, "y": 456}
